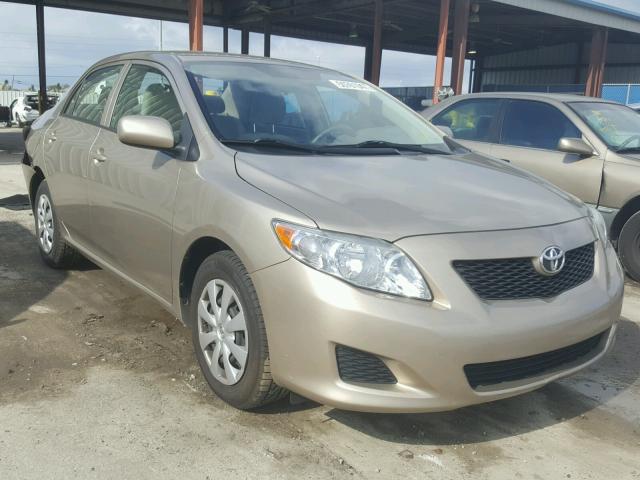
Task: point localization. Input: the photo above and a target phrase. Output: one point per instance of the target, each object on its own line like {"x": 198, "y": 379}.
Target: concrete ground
{"x": 97, "y": 381}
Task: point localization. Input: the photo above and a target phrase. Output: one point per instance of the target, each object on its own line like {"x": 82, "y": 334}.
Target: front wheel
{"x": 629, "y": 246}
{"x": 229, "y": 334}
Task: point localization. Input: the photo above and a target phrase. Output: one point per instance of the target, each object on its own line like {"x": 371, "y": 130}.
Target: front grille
{"x": 493, "y": 373}
{"x": 517, "y": 279}
{"x": 355, "y": 366}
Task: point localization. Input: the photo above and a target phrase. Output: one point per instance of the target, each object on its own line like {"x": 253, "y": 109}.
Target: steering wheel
{"x": 340, "y": 127}
{"x": 628, "y": 141}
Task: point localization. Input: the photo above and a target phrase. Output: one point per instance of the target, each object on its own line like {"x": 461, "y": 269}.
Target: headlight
{"x": 600, "y": 226}
{"x": 364, "y": 262}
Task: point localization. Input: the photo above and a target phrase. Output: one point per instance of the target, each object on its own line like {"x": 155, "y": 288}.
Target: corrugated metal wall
{"x": 527, "y": 67}
{"x": 8, "y": 96}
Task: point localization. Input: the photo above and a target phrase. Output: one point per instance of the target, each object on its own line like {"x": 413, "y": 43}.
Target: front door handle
{"x": 99, "y": 156}
{"x": 52, "y": 137}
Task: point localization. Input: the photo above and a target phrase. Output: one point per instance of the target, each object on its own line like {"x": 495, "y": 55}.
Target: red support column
{"x": 376, "y": 47}
{"x": 597, "y": 59}
{"x": 441, "y": 52}
{"x": 460, "y": 31}
{"x": 196, "y": 13}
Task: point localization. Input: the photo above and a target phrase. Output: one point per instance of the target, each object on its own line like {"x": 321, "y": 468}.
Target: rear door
{"x": 66, "y": 149}
{"x": 132, "y": 189}
{"x": 529, "y": 138}
{"x": 474, "y": 122}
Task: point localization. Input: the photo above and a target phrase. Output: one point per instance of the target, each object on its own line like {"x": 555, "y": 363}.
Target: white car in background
{"x": 24, "y": 110}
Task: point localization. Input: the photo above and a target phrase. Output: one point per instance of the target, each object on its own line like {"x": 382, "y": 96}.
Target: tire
{"x": 629, "y": 246}
{"x": 54, "y": 251}
{"x": 245, "y": 386}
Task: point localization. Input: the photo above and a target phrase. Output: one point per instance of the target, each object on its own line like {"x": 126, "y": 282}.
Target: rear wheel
{"x": 229, "y": 335}
{"x": 629, "y": 246}
{"x": 53, "y": 249}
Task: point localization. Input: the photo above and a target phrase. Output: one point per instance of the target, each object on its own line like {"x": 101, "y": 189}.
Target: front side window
{"x": 470, "y": 119}
{"x": 305, "y": 107}
{"x": 89, "y": 101}
{"x": 147, "y": 91}
{"x": 618, "y": 126}
{"x": 535, "y": 125}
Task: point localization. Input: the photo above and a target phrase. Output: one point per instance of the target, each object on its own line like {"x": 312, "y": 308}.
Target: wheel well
{"x": 625, "y": 213}
{"x": 196, "y": 254}
{"x": 36, "y": 180}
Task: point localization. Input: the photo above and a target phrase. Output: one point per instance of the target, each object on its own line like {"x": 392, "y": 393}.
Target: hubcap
{"x": 222, "y": 332}
{"x": 45, "y": 223}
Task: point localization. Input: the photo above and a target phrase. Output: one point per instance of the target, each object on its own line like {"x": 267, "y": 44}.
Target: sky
{"x": 75, "y": 40}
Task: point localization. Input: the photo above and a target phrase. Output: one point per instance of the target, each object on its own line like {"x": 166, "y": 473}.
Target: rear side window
{"x": 535, "y": 125}
{"x": 147, "y": 91}
{"x": 470, "y": 119}
{"x": 89, "y": 101}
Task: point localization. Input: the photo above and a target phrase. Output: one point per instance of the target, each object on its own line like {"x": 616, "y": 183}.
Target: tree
{"x": 5, "y": 85}
{"x": 32, "y": 88}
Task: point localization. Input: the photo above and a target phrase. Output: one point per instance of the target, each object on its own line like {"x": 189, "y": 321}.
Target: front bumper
{"x": 427, "y": 345}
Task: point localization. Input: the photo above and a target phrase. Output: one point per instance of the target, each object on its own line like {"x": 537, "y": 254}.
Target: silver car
{"x": 587, "y": 146}
{"x": 318, "y": 236}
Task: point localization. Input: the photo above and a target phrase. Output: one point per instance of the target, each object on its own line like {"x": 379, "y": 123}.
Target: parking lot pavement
{"x": 97, "y": 381}
{"x": 11, "y": 145}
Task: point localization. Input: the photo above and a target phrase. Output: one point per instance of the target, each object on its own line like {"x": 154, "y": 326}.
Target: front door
{"x": 66, "y": 150}
{"x": 132, "y": 189}
{"x": 529, "y": 139}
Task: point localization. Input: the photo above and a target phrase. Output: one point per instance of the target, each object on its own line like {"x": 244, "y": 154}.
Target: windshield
{"x": 304, "y": 108}
{"x": 616, "y": 125}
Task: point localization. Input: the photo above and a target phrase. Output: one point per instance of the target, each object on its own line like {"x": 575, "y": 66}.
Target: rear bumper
{"x": 426, "y": 345}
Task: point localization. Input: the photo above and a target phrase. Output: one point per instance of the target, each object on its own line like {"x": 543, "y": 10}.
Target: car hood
{"x": 392, "y": 197}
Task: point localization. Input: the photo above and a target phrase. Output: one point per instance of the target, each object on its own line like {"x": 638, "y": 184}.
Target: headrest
{"x": 267, "y": 108}
{"x": 157, "y": 89}
{"x": 215, "y": 104}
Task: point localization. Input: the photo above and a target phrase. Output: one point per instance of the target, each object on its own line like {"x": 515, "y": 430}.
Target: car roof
{"x": 557, "y": 97}
{"x": 185, "y": 56}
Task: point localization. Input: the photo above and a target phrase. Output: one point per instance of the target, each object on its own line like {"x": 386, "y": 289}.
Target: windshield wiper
{"x": 270, "y": 142}
{"x": 391, "y": 145}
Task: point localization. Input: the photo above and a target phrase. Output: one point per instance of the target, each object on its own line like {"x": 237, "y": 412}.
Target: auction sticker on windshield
{"x": 347, "y": 85}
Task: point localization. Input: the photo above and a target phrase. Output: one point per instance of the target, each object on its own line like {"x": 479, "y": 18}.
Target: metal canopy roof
{"x": 409, "y": 25}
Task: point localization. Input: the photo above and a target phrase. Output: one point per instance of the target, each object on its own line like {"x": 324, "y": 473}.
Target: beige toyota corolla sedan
{"x": 318, "y": 236}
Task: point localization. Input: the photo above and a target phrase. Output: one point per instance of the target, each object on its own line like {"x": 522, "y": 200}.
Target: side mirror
{"x": 575, "y": 145}
{"x": 446, "y": 130}
{"x": 145, "y": 131}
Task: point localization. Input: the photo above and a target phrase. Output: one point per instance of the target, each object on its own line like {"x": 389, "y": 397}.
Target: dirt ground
{"x": 97, "y": 381}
